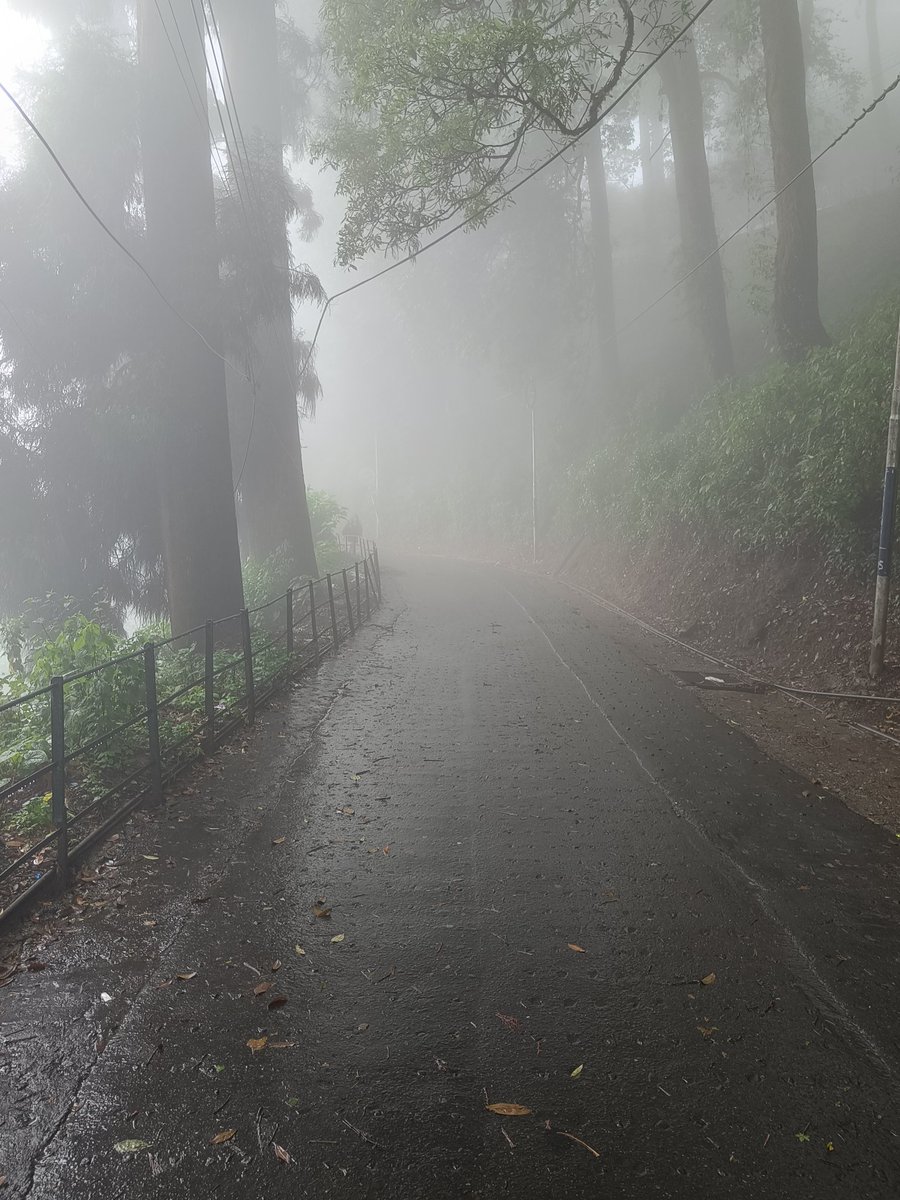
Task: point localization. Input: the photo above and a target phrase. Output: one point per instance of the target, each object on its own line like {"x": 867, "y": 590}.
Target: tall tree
{"x": 268, "y": 455}
{"x": 607, "y": 343}
{"x": 873, "y": 35}
{"x": 203, "y": 566}
{"x": 680, "y": 74}
{"x": 798, "y": 324}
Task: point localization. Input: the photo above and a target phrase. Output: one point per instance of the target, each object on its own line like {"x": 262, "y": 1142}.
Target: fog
{"x": 439, "y": 364}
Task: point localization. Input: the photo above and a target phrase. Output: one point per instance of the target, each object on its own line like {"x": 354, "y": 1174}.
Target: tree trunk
{"x": 680, "y": 74}
{"x": 203, "y": 565}
{"x": 653, "y": 171}
{"x": 876, "y": 63}
{"x": 807, "y": 12}
{"x": 272, "y": 488}
{"x": 798, "y": 325}
{"x": 608, "y": 359}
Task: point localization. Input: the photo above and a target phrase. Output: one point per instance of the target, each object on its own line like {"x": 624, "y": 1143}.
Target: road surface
{"x": 554, "y": 881}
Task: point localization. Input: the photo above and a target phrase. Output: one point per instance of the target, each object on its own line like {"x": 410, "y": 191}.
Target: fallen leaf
{"x": 281, "y": 1045}
{"x": 338, "y": 937}
{"x": 321, "y": 910}
{"x": 300, "y": 952}
{"x": 281, "y": 1154}
{"x": 709, "y": 980}
{"x": 386, "y": 850}
{"x": 509, "y": 1110}
{"x": 576, "y": 1074}
{"x": 218, "y": 1068}
{"x": 131, "y": 1146}
{"x": 577, "y": 949}
{"x": 187, "y": 975}
{"x": 707, "y": 1030}
{"x": 829, "y": 1146}
{"x": 278, "y": 1001}
{"x": 802, "y": 1137}
{"x": 293, "y": 1102}
{"x": 225, "y": 1136}
{"x": 149, "y": 924}
{"x": 166, "y": 983}
{"x": 278, "y": 841}
{"x": 513, "y": 1024}
{"x": 276, "y": 965}
{"x": 257, "y": 1044}
{"x": 151, "y": 857}
{"x": 262, "y": 988}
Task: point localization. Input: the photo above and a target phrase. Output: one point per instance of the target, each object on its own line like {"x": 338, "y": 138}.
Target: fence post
{"x": 290, "y": 626}
{"x": 314, "y": 620}
{"x": 350, "y": 622}
{"x": 209, "y": 685}
{"x": 58, "y": 786}
{"x": 358, "y": 595}
{"x": 248, "y": 666}
{"x": 153, "y": 723}
{"x": 377, "y": 563}
{"x": 334, "y": 621}
{"x": 368, "y": 593}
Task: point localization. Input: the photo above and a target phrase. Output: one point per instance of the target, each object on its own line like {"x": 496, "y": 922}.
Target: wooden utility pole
{"x": 886, "y": 540}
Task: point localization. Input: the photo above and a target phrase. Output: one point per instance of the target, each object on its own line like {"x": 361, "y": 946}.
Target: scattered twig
{"x": 362, "y": 1134}
{"x": 156, "y": 1049}
{"x": 572, "y": 1137}
{"x": 223, "y": 1105}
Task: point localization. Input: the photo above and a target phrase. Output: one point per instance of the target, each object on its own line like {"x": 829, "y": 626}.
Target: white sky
{"x": 23, "y": 42}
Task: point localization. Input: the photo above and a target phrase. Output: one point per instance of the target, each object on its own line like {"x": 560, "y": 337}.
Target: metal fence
{"x": 130, "y": 740}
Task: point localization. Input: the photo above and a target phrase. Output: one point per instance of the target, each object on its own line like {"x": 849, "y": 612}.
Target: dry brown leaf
{"x": 262, "y": 988}
{"x": 257, "y": 1044}
{"x": 509, "y": 1110}
{"x": 577, "y": 949}
{"x": 338, "y": 937}
{"x": 225, "y": 1136}
{"x": 300, "y": 952}
{"x": 276, "y": 965}
{"x": 166, "y": 983}
{"x": 709, "y": 980}
{"x": 277, "y": 1001}
{"x": 187, "y": 975}
{"x": 708, "y": 1030}
{"x": 278, "y": 841}
{"x": 321, "y": 910}
{"x": 281, "y": 1154}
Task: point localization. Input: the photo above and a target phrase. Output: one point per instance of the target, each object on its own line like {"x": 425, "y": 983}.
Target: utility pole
{"x": 886, "y": 540}
{"x": 533, "y": 485}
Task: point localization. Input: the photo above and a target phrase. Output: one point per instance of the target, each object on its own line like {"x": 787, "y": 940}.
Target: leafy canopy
{"x": 442, "y": 100}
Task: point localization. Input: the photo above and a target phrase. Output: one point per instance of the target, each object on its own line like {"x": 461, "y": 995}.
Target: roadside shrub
{"x": 793, "y": 457}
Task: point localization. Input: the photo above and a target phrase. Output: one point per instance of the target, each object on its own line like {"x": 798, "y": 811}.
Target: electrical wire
{"x": 506, "y": 192}
{"x": 768, "y": 204}
{"x": 112, "y": 236}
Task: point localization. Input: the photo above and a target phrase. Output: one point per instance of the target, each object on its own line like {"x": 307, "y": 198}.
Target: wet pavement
{"x": 545, "y": 876}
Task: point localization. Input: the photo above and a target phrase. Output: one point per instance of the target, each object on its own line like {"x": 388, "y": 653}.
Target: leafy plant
{"x": 34, "y": 817}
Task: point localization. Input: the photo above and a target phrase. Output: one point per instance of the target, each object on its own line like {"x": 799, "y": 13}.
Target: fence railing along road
{"x": 216, "y": 676}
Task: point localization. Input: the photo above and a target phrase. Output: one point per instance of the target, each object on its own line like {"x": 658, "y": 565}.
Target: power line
{"x": 768, "y": 204}
{"x": 506, "y": 192}
{"x": 109, "y": 233}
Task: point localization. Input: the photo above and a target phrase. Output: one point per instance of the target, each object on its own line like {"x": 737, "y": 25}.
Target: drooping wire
{"x": 173, "y": 308}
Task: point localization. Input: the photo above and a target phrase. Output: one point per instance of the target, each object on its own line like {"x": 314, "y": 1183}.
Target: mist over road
{"x": 555, "y": 881}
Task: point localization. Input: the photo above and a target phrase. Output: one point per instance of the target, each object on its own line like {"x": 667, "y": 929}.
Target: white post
{"x": 533, "y": 489}
{"x": 886, "y": 540}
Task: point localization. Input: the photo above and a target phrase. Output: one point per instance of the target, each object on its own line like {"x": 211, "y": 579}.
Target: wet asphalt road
{"x": 504, "y": 776}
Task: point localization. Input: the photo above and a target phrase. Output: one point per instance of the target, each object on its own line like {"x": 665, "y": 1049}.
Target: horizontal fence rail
{"x": 161, "y": 707}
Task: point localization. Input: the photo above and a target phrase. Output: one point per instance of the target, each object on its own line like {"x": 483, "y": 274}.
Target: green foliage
{"x": 34, "y": 817}
{"x": 325, "y": 514}
{"x": 440, "y": 102}
{"x": 792, "y": 458}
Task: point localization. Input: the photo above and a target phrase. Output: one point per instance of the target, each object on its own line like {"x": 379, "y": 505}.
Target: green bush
{"x": 793, "y": 457}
